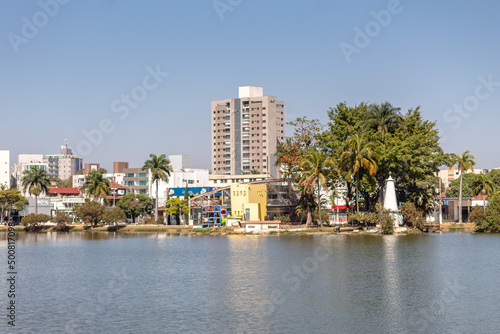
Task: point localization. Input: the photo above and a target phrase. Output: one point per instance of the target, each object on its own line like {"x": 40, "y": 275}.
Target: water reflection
{"x": 154, "y": 282}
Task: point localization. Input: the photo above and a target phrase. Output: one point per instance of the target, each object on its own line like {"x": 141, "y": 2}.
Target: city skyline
{"x": 138, "y": 79}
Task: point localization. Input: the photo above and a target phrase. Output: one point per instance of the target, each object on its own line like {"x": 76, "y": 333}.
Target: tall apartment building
{"x": 65, "y": 164}
{"x": 245, "y": 132}
{"x": 5, "y": 168}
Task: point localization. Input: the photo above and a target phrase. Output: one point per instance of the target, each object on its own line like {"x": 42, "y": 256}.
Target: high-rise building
{"x": 5, "y": 168}
{"x": 65, "y": 164}
{"x": 245, "y": 133}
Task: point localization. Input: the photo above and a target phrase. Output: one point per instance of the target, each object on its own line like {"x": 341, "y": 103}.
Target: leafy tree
{"x": 490, "y": 222}
{"x": 10, "y": 200}
{"x": 96, "y": 186}
{"x": 315, "y": 168}
{"x": 68, "y": 183}
{"x": 290, "y": 152}
{"x": 90, "y": 211}
{"x": 135, "y": 204}
{"x": 465, "y": 162}
{"x": 382, "y": 118}
{"x": 111, "y": 216}
{"x": 176, "y": 207}
{"x": 467, "y": 186}
{"x": 494, "y": 176}
{"x": 62, "y": 220}
{"x": 160, "y": 170}
{"x": 358, "y": 155}
{"x": 36, "y": 181}
{"x": 482, "y": 185}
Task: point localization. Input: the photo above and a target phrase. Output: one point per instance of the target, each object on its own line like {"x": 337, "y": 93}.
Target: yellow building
{"x": 249, "y": 201}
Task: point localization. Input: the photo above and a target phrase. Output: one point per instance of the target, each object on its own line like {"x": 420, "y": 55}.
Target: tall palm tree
{"x": 358, "y": 154}
{"x": 36, "y": 181}
{"x": 315, "y": 168}
{"x": 382, "y": 117}
{"x": 160, "y": 170}
{"x": 484, "y": 187}
{"x": 465, "y": 162}
{"x": 96, "y": 185}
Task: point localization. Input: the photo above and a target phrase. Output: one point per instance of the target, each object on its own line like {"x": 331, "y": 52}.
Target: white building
{"x": 25, "y": 162}
{"x": 220, "y": 181}
{"x": 79, "y": 180}
{"x": 5, "y": 168}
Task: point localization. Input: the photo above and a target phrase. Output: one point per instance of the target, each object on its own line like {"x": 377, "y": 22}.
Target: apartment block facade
{"x": 245, "y": 133}
{"x": 64, "y": 165}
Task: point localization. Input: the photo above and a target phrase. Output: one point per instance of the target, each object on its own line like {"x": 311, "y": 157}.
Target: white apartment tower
{"x": 245, "y": 133}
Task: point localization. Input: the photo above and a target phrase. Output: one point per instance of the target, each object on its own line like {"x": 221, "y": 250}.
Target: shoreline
{"x": 290, "y": 230}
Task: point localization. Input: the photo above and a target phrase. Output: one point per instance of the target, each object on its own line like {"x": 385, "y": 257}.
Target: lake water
{"x": 156, "y": 283}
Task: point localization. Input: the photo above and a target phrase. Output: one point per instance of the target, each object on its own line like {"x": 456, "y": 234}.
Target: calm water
{"x": 155, "y": 283}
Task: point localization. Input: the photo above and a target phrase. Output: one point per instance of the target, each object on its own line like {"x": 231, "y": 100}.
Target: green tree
{"x": 382, "y": 118}
{"x": 160, "y": 171}
{"x": 10, "y": 200}
{"x": 358, "y": 155}
{"x": 111, "y": 216}
{"x": 96, "y": 186}
{"x": 490, "y": 221}
{"x": 63, "y": 220}
{"x": 467, "y": 186}
{"x": 482, "y": 185}
{"x": 315, "y": 168}
{"x": 36, "y": 181}
{"x": 68, "y": 183}
{"x": 90, "y": 211}
{"x": 465, "y": 162}
{"x": 135, "y": 204}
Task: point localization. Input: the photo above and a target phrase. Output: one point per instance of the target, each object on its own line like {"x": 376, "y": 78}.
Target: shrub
{"x": 412, "y": 217}
{"x": 33, "y": 222}
{"x": 386, "y": 221}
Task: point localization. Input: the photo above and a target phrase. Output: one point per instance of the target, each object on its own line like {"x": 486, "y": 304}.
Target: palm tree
{"x": 484, "y": 186}
{"x": 465, "y": 162}
{"x": 160, "y": 170}
{"x": 358, "y": 154}
{"x": 382, "y": 117}
{"x": 315, "y": 167}
{"x": 96, "y": 185}
{"x": 37, "y": 181}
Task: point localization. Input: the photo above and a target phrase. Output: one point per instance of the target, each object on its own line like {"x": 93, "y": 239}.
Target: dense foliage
{"x": 488, "y": 221}
{"x": 135, "y": 204}
{"x": 365, "y": 144}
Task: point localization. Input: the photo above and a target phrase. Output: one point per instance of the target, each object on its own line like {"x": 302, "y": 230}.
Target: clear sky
{"x": 71, "y": 68}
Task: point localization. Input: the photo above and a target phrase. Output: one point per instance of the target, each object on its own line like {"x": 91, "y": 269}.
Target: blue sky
{"x": 69, "y": 75}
